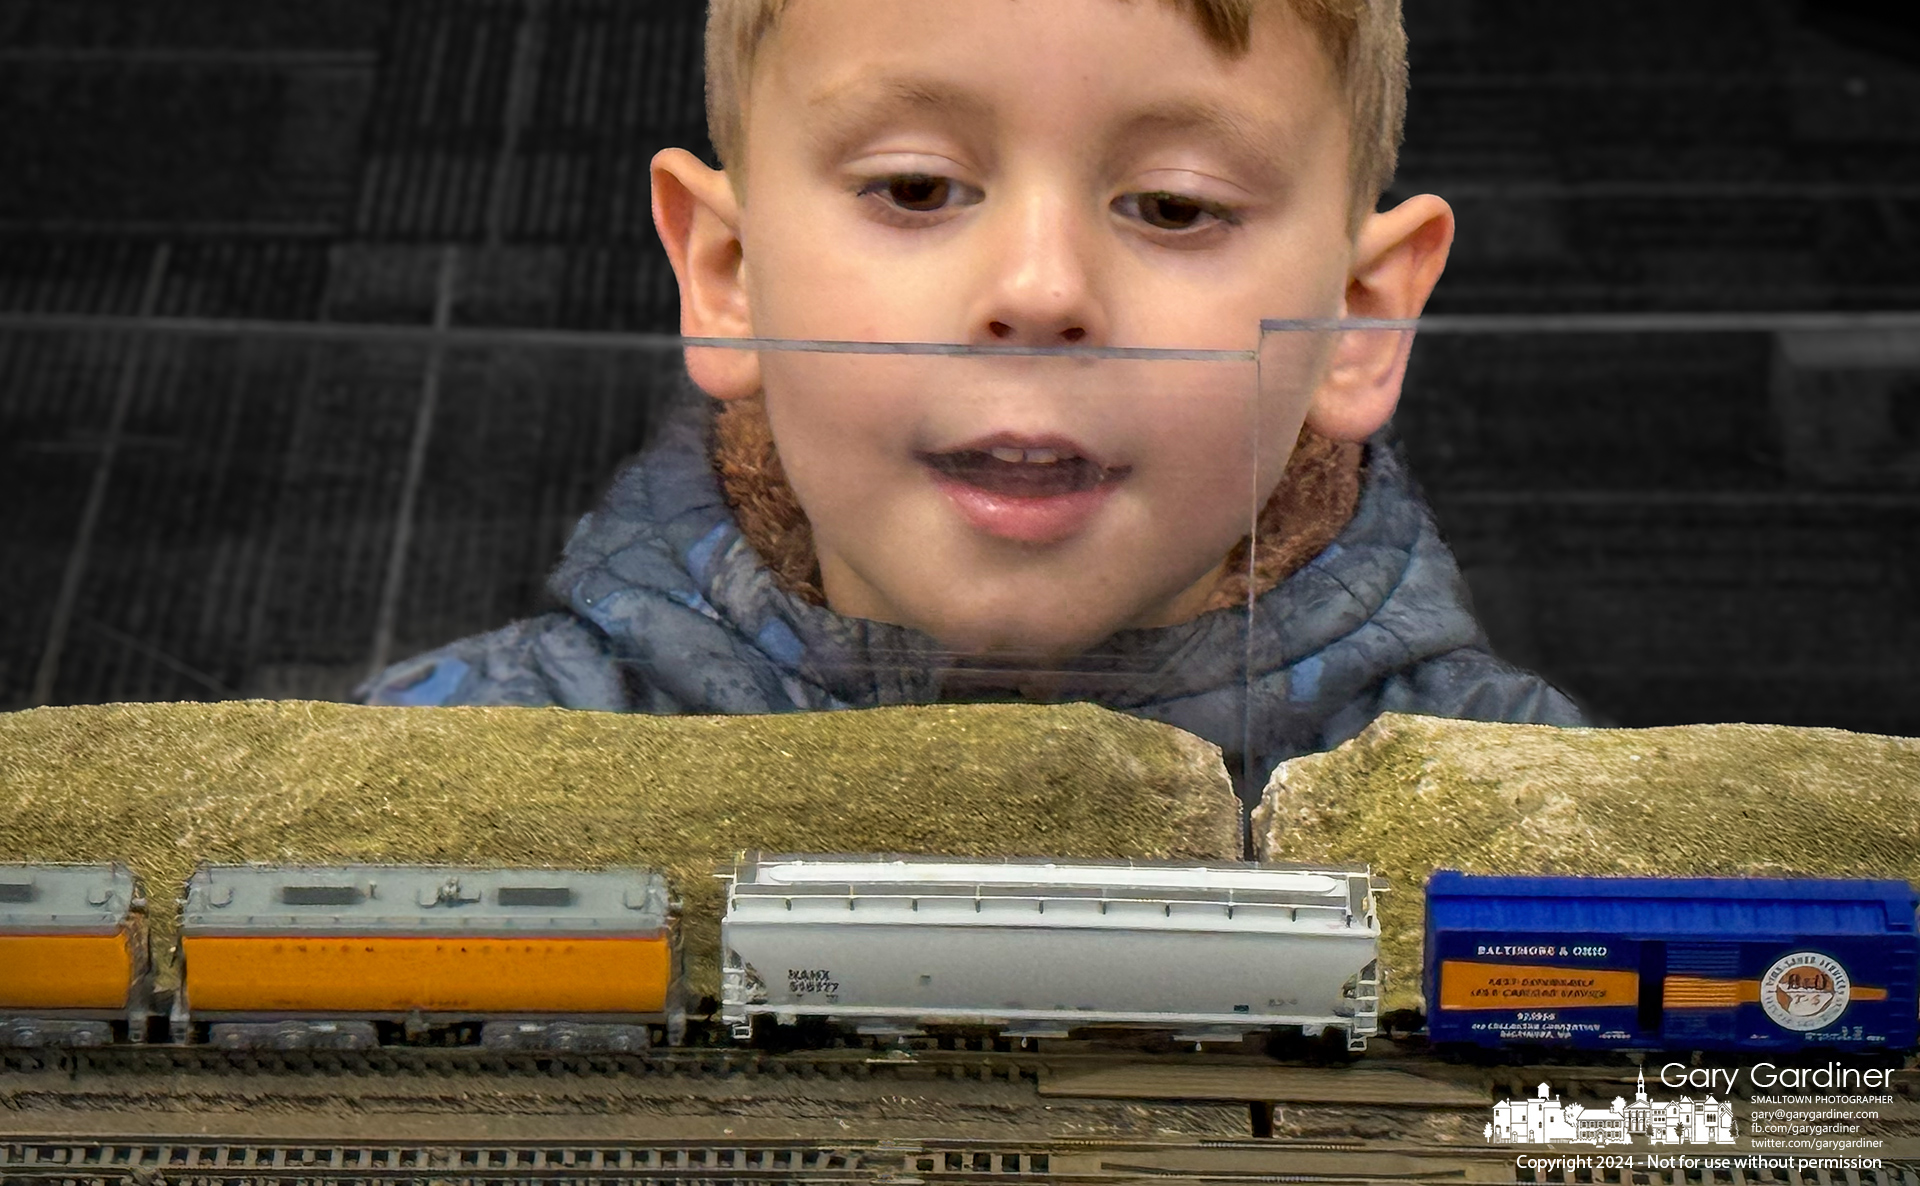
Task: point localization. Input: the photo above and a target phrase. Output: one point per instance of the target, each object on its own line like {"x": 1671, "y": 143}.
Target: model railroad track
{"x": 149, "y": 1162}
{"x": 1057, "y": 1068}
{"x": 206, "y": 1161}
{"x": 1069, "y": 1071}
{"x": 145, "y": 1161}
{"x": 215, "y": 1063}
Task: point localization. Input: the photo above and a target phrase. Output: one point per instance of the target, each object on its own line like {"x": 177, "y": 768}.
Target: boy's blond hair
{"x": 1364, "y": 38}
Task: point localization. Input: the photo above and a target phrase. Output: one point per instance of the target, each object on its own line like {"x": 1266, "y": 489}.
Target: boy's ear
{"x": 1397, "y": 259}
{"x": 698, "y": 218}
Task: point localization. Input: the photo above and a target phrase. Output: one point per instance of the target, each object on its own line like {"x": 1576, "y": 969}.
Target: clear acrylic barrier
{"x": 1672, "y": 519}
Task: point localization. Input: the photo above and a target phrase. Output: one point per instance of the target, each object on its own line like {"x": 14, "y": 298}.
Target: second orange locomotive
{"x": 329, "y": 957}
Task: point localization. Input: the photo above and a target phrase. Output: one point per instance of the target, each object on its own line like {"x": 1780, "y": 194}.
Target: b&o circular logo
{"x": 1805, "y": 991}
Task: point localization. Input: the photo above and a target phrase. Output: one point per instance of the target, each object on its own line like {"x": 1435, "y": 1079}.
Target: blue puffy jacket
{"x": 669, "y": 610}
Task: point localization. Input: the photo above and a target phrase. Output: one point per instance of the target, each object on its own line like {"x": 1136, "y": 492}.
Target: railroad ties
{"x": 149, "y": 1162}
{"x": 144, "y": 1161}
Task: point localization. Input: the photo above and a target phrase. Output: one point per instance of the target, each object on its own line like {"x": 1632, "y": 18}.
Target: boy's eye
{"x": 1173, "y": 212}
{"x": 921, "y": 193}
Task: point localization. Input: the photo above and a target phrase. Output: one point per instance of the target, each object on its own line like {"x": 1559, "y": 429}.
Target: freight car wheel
{"x": 1401, "y": 1024}
{"x": 1327, "y": 1048}
{"x": 807, "y": 1033}
{"x": 1331, "y": 1049}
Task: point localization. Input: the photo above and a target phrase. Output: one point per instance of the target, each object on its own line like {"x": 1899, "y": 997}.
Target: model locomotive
{"x": 344, "y": 957}
{"x": 349, "y": 957}
{"x": 73, "y": 954}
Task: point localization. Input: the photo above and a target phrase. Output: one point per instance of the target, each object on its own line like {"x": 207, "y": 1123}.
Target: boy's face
{"x": 1028, "y": 173}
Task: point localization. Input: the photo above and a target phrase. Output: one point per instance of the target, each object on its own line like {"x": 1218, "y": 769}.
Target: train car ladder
{"x": 733, "y": 999}
{"x": 1366, "y": 1007}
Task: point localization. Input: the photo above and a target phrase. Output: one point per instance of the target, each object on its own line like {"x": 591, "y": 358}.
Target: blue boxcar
{"x": 1671, "y": 963}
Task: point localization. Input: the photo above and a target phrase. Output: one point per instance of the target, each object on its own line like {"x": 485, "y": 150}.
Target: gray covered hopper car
{"x": 892, "y": 945}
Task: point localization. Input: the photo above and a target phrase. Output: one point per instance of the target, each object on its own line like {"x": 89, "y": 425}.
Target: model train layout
{"x": 353, "y": 957}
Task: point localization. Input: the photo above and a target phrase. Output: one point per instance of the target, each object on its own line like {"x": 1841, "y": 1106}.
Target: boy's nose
{"x": 1010, "y": 335}
{"x": 1041, "y": 282}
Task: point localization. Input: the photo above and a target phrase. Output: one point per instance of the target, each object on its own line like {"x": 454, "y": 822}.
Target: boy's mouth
{"x": 1029, "y": 491}
{"x": 1016, "y": 472}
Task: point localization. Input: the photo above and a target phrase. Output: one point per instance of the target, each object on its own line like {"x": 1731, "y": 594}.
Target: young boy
{"x": 862, "y": 530}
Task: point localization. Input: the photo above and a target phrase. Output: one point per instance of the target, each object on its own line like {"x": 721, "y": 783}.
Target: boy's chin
{"x": 1030, "y": 645}
{"x": 1039, "y": 633}
{"x": 1025, "y": 624}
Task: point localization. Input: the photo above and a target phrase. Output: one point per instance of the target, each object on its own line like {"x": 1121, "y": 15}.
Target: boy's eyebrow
{"x": 852, "y": 103}
{"x": 856, "y": 101}
{"x": 1260, "y": 144}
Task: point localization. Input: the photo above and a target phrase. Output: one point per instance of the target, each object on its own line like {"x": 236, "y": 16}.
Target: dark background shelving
{"x": 1675, "y": 526}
